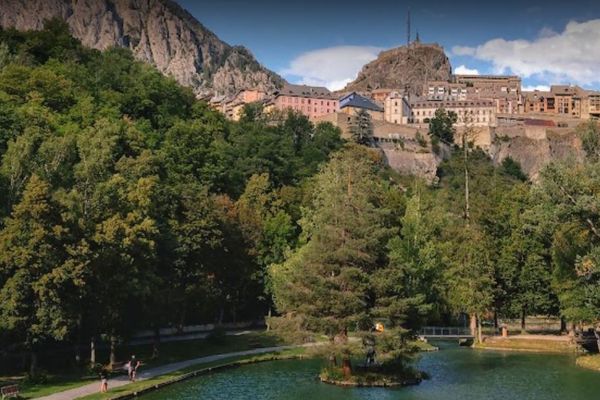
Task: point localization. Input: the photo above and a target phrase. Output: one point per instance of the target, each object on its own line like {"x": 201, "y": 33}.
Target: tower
{"x": 408, "y": 27}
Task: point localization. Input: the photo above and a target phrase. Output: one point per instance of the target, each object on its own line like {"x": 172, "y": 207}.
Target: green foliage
{"x": 513, "y": 168}
{"x": 589, "y": 133}
{"x": 361, "y": 128}
{"x": 119, "y": 196}
{"x": 441, "y": 126}
{"x": 325, "y": 282}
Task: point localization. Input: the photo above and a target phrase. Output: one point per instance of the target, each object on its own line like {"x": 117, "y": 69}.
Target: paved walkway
{"x": 152, "y": 372}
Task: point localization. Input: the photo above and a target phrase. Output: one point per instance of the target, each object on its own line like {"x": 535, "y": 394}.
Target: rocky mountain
{"x": 159, "y": 32}
{"x": 404, "y": 67}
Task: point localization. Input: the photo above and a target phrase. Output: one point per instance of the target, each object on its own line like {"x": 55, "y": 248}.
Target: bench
{"x": 9, "y": 391}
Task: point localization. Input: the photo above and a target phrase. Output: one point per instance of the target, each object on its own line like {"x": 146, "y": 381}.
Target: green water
{"x": 456, "y": 373}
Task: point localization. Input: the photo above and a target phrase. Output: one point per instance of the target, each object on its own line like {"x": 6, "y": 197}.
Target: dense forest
{"x": 127, "y": 204}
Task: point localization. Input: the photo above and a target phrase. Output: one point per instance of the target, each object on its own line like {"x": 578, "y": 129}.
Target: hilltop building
{"x": 473, "y": 112}
{"x": 231, "y": 106}
{"x": 312, "y": 101}
{"x": 397, "y": 109}
{"x": 354, "y": 102}
{"x": 563, "y": 100}
{"x": 503, "y": 90}
{"x": 405, "y": 110}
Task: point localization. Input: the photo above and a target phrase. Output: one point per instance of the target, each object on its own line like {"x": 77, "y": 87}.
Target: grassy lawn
{"x": 528, "y": 345}
{"x": 169, "y": 352}
{"x": 139, "y": 386}
{"x": 589, "y": 362}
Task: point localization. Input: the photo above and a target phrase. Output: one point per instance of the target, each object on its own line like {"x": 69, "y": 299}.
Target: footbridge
{"x": 445, "y": 332}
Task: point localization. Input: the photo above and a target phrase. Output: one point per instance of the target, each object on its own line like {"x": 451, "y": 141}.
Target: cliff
{"x": 159, "y": 32}
{"x": 404, "y": 67}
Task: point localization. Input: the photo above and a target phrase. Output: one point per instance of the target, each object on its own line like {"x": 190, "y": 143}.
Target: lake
{"x": 455, "y": 373}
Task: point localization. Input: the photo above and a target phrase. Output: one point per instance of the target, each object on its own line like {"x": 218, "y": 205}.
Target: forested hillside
{"x": 127, "y": 204}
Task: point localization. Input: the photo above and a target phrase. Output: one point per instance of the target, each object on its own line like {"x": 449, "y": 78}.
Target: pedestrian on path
{"x": 103, "y": 381}
{"x": 132, "y": 367}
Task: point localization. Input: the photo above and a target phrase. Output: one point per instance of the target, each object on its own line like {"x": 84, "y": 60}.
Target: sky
{"x": 326, "y": 42}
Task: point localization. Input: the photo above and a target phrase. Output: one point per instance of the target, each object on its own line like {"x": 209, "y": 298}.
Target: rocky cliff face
{"x": 159, "y": 32}
{"x": 534, "y": 153}
{"x": 404, "y": 67}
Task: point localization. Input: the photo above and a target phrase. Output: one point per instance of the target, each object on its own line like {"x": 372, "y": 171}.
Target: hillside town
{"x": 487, "y": 100}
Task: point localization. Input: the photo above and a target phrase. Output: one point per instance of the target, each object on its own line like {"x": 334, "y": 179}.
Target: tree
{"x": 408, "y": 288}
{"x": 441, "y": 126}
{"x": 569, "y": 197}
{"x": 470, "y": 274}
{"x": 31, "y": 250}
{"x": 361, "y": 128}
{"x": 324, "y": 283}
{"x": 589, "y": 133}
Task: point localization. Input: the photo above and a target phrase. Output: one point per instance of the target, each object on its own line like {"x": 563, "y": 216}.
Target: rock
{"x": 404, "y": 67}
{"x": 159, "y": 32}
{"x": 534, "y": 153}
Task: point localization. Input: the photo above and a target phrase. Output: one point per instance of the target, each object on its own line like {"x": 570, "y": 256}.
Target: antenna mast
{"x": 408, "y": 27}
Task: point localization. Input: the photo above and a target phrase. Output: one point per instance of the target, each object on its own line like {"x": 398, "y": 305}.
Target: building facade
{"x": 469, "y": 112}
{"x": 396, "y": 109}
{"x": 354, "y": 102}
{"x": 312, "y": 101}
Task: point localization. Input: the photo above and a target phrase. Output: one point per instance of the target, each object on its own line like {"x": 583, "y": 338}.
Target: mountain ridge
{"x": 159, "y": 32}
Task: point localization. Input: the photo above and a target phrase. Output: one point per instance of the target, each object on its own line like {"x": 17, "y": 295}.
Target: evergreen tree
{"x": 361, "y": 128}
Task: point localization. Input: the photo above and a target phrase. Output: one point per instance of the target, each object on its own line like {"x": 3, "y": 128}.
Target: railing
{"x": 444, "y": 331}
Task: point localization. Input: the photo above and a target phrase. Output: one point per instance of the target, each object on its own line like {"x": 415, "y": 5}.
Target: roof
{"x": 536, "y": 94}
{"x": 538, "y": 122}
{"x": 566, "y": 90}
{"x": 356, "y": 100}
{"x": 305, "y": 91}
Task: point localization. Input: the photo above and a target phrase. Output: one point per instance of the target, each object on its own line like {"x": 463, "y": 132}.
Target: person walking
{"x": 103, "y": 381}
{"x": 132, "y": 368}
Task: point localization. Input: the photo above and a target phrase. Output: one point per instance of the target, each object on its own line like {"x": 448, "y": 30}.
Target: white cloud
{"x": 332, "y": 67}
{"x": 463, "y": 70}
{"x": 569, "y": 56}
{"x": 463, "y": 51}
{"x": 541, "y": 88}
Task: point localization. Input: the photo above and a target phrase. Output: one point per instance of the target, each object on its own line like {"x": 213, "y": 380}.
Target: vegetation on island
{"x": 127, "y": 204}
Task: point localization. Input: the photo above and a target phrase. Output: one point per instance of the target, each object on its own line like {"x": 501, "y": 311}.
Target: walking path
{"x": 156, "y": 371}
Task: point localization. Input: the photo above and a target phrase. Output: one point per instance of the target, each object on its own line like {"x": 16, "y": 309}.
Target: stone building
{"x": 563, "y": 100}
{"x": 503, "y": 90}
{"x": 354, "y": 102}
{"x": 591, "y": 105}
{"x": 312, "y": 101}
{"x": 231, "y": 106}
{"x": 474, "y": 112}
{"x": 396, "y": 109}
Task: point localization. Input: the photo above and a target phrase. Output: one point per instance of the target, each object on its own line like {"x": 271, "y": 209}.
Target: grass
{"x": 589, "y": 362}
{"x": 159, "y": 380}
{"x": 532, "y": 344}
{"x": 52, "y": 384}
{"x": 169, "y": 352}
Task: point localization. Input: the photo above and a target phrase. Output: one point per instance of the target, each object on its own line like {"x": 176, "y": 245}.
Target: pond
{"x": 456, "y": 373}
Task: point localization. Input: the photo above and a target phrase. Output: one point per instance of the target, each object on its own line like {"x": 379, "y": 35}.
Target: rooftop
{"x": 355, "y": 100}
{"x": 304, "y": 91}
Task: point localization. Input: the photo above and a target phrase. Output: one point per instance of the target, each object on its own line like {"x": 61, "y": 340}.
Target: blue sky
{"x": 326, "y": 42}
